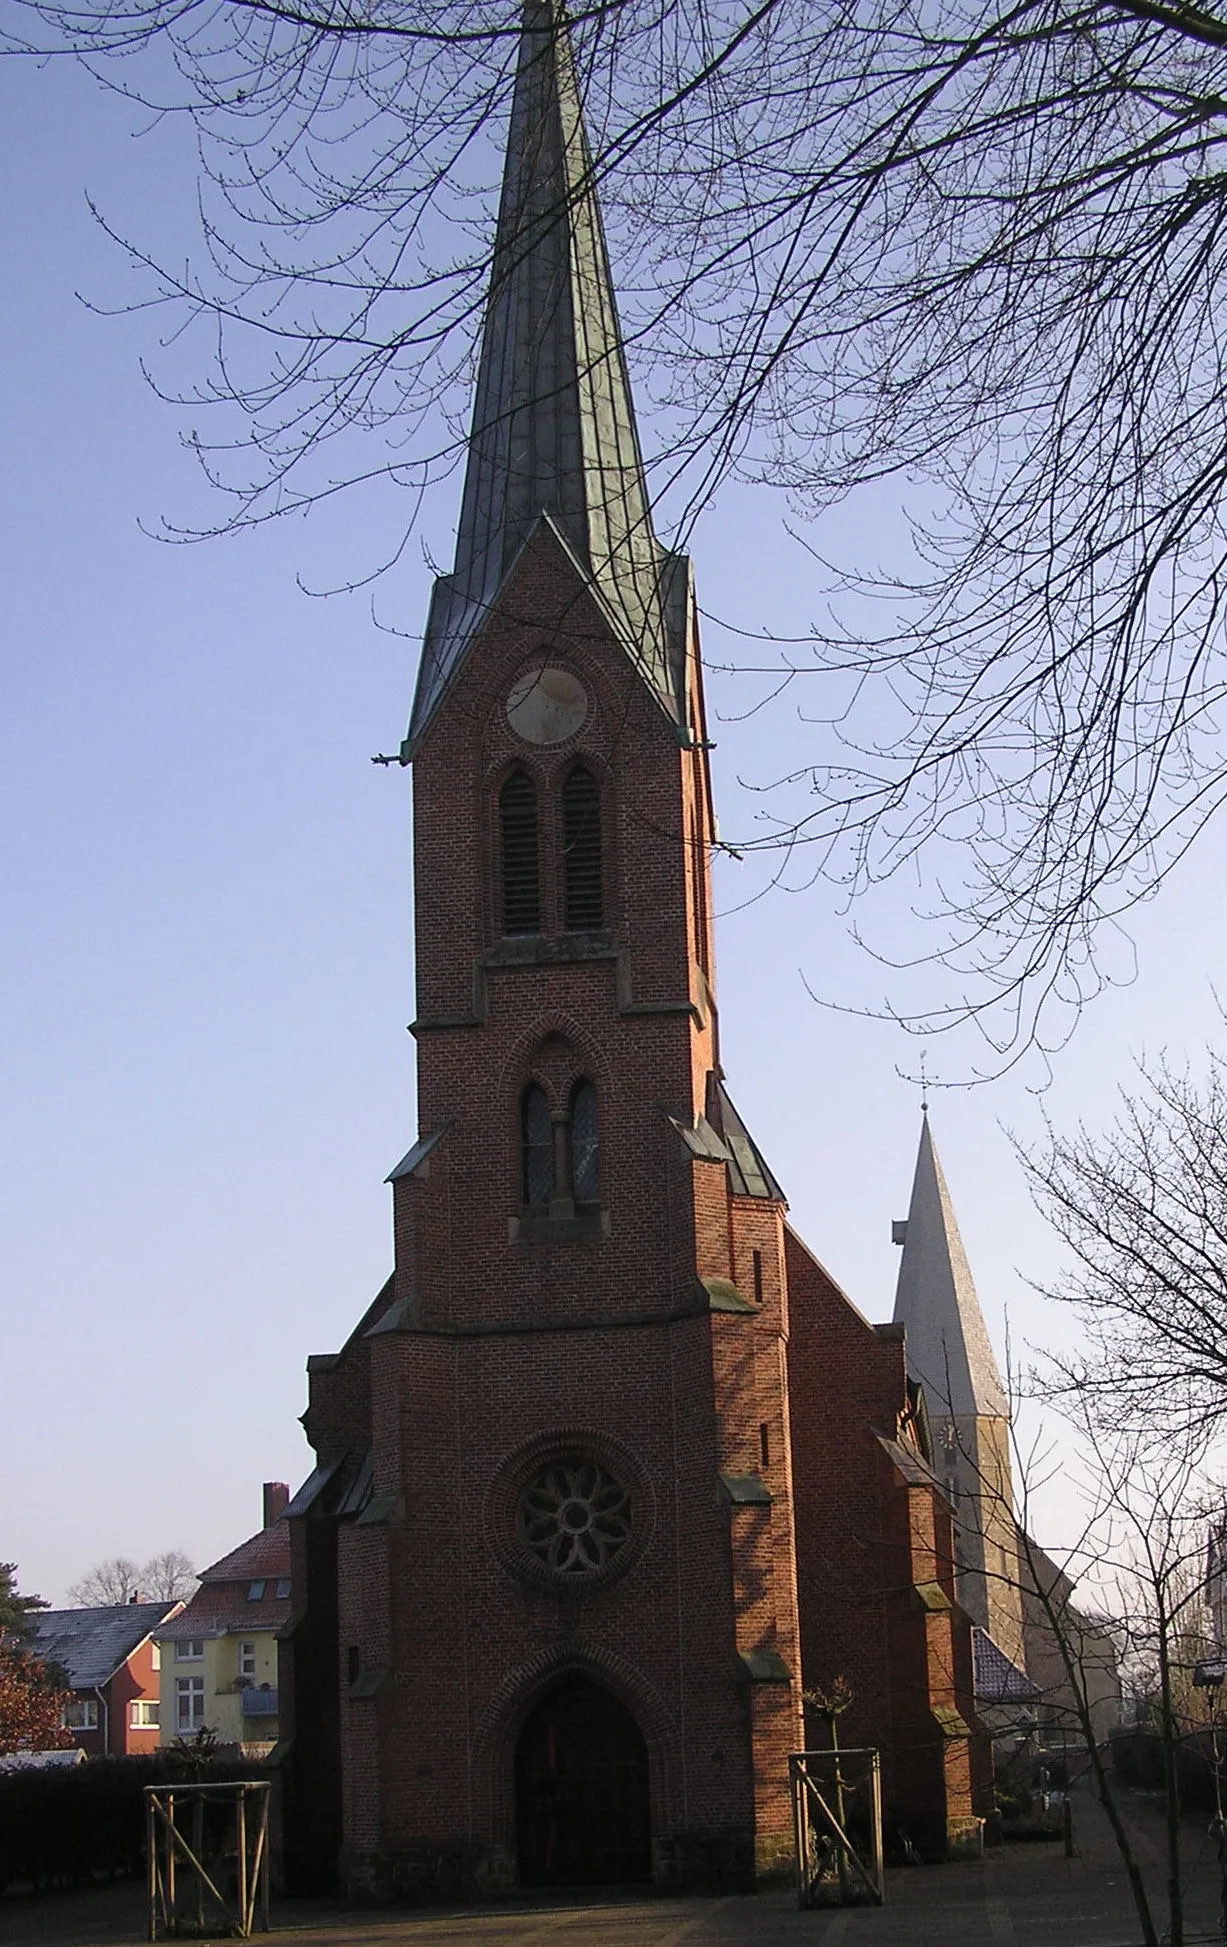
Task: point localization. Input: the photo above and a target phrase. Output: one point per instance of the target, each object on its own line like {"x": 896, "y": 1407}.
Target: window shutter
{"x": 581, "y": 849}
{"x": 517, "y": 819}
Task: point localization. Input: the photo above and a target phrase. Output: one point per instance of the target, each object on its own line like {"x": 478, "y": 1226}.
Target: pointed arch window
{"x": 520, "y": 869}
{"x": 583, "y": 892}
{"x": 585, "y": 1148}
{"x": 536, "y": 1146}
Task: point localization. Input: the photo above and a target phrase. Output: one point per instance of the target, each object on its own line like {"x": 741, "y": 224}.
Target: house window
{"x": 585, "y": 1176}
{"x": 536, "y": 1146}
{"x": 247, "y": 1659}
{"x": 282, "y": 1590}
{"x": 143, "y": 1714}
{"x": 256, "y": 1592}
{"x": 155, "y": 1656}
{"x": 189, "y": 1703}
{"x": 583, "y": 900}
{"x": 189, "y": 1652}
{"x": 80, "y": 1714}
{"x": 521, "y": 876}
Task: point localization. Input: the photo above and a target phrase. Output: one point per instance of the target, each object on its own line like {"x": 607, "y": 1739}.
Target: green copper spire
{"x": 553, "y": 431}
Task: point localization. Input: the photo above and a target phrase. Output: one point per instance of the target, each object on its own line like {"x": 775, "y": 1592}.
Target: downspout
{"x": 104, "y": 1707}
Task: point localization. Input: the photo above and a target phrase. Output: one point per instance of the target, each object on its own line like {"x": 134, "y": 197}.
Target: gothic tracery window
{"x": 559, "y": 1152}
{"x": 536, "y": 1146}
{"x": 585, "y": 1173}
{"x": 574, "y": 1516}
{"x": 520, "y": 868}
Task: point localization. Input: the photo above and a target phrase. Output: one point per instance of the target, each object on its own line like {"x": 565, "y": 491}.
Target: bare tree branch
{"x": 976, "y": 247}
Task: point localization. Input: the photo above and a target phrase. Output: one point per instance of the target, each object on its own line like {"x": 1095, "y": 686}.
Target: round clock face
{"x": 547, "y": 705}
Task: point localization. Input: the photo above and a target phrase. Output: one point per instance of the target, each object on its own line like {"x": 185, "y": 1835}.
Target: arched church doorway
{"x": 582, "y": 1804}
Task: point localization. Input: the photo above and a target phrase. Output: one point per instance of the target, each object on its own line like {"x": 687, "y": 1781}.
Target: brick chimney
{"x": 276, "y": 1500}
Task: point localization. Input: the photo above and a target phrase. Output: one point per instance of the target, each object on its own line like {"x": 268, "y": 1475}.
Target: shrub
{"x": 63, "y": 1827}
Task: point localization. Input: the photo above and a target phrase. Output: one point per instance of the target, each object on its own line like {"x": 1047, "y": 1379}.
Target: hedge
{"x": 62, "y": 1827}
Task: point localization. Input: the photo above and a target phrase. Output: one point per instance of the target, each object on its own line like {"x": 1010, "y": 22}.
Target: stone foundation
{"x": 704, "y": 1862}
{"x": 685, "y": 1862}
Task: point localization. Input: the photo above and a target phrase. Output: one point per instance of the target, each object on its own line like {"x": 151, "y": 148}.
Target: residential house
{"x": 110, "y": 1659}
{"x": 219, "y": 1656}
{"x": 1059, "y": 1634}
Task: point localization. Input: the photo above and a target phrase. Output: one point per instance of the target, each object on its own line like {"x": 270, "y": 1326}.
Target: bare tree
{"x": 1142, "y": 1211}
{"x": 973, "y": 247}
{"x": 165, "y": 1578}
{"x": 107, "y": 1583}
{"x": 169, "y": 1577}
{"x": 1144, "y": 1509}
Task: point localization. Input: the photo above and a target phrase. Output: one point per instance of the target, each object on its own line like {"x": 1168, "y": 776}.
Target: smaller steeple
{"x": 948, "y": 1347}
{"x": 553, "y": 435}
{"x": 948, "y": 1351}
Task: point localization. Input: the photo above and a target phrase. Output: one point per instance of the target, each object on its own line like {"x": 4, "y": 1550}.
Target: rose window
{"x": 574, "y": 1516}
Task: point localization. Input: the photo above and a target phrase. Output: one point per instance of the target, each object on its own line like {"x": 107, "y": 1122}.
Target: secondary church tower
{"x": 557, "y": 1566}
{"x": 949, "y": 1353}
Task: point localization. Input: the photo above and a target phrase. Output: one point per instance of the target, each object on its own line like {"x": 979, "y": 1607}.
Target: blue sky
{"x": 206, "y": 922}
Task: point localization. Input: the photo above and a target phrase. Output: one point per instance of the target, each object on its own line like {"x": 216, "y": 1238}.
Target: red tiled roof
{"x": 221, "y": 1609}
{"x": 266, "y": 1553}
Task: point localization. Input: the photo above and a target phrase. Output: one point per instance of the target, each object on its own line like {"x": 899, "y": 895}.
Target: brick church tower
{"x": 546, "y": 1613}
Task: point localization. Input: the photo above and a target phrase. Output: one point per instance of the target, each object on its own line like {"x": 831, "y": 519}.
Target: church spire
{"x": 948, "y": 1347}
{"x": 553, "y": 432}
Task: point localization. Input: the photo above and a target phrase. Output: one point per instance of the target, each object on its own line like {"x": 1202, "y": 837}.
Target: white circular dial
{"x": 547, "y": 705}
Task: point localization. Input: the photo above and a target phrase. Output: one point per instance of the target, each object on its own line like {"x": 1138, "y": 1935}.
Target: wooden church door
{"x": 581, "y": 1772}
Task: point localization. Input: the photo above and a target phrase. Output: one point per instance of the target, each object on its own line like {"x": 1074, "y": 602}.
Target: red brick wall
{"x": 115, "y": 1736}
{"x": 136, "y": 1679}
{"x": 866, "y": 1540}
{"x": 598, "y": 1339}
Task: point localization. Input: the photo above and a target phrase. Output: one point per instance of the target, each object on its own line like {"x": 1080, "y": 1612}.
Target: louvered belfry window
{"x": 583, "y": 901}
{"x": 517, "y": 831}
{"x": 536, "y": 1145}
{"x": 585, "y": 1154}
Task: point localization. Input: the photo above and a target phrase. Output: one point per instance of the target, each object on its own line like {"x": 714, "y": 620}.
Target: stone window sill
{"x": 543, "y": 1227}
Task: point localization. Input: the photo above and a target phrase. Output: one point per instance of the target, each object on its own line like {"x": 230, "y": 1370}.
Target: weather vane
{"x": 924, "y": 1086}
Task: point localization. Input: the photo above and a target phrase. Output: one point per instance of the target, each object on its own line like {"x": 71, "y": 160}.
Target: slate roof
{"x": 553, "y": 434}
{"x": 948, "y": 1347}
{"x": 721, "y": 1136}
{"x": 748, "y": 1168}
{"x": 91, "y": 1644}
{"x": 997, "y": 1679}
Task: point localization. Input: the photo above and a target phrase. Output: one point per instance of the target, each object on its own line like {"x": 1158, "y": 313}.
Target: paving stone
{"x": 1017, "y": 1896}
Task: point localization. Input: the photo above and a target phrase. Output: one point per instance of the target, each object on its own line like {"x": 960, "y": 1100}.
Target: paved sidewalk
{"x": 1018, "y": 1896}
